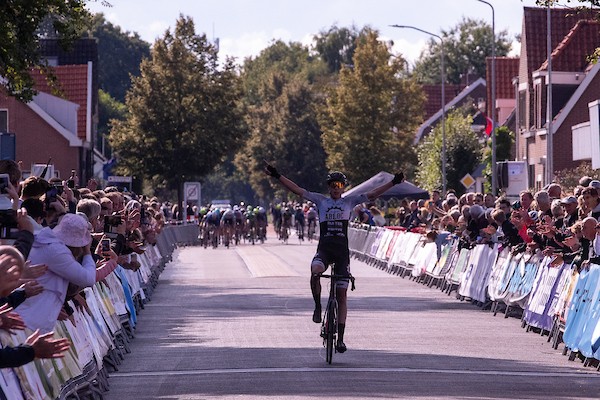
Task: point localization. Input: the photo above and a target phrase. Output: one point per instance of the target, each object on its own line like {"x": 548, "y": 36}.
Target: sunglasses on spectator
{"x": 336, "y": 185}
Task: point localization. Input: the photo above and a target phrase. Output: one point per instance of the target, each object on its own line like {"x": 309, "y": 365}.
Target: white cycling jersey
{"x": 334, "y": 215}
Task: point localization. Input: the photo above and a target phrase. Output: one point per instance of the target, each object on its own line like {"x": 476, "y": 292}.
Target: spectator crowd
{"x": 561, "y": 225}
{"x": 57, "y": 238}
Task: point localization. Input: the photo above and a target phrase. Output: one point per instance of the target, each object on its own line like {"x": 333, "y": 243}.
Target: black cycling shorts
{"x": 339, "y": 257}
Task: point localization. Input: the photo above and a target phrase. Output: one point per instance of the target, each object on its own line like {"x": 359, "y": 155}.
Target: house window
{"x": 3, "y": 120}
{"x": 522, "y": 110}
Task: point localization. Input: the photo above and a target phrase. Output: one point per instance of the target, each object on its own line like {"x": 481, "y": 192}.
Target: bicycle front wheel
{"x": 331, "y": 329}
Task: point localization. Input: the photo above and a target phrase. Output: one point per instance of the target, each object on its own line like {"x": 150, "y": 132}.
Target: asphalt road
{"x": 236, "y": 324}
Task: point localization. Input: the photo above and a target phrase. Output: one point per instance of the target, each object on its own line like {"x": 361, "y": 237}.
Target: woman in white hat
{"x": 60, "y": 249}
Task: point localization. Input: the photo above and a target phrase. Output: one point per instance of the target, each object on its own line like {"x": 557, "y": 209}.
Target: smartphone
{"x": 4, "y": 183}
{"x": 105, "y": 245}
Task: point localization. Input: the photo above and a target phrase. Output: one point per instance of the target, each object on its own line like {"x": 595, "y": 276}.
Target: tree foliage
{"x": 183, "y": 116}
{"x": 282, "y": 101}
{"x": 463, "y": 153}
{"x": 21, "y": 23}
{"x": 119, "y": 56}
{"x": 336, "y": 46}
{"x": 371, "y": 116}
{"x": 505, "y": 140}
{"x": 109, "y": 109}
{"x": 466, "y": 47}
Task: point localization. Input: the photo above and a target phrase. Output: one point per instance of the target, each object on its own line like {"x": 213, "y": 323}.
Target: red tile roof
{"x": 534, "y": 33}
{"x": 433, "y": 93}
{"x": 572, "y": 53}
{"x": 72, "y": 83}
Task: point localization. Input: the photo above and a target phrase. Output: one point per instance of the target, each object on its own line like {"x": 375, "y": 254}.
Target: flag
{"x": 489, "y": 126}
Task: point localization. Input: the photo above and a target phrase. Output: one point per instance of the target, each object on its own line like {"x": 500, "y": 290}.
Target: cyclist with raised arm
{"x": 334, "y": 213}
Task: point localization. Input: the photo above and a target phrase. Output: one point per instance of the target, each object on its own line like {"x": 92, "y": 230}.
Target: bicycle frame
{"x": 330, "y": 319}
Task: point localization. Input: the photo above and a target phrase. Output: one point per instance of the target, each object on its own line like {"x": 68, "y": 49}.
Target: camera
{"x": 8, "y": 224}
{"x": 111, "y": 222}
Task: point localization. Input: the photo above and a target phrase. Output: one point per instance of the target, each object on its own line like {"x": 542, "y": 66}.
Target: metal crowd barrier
{"x": 100, "y": 332}
{"x": 554, "y": 300}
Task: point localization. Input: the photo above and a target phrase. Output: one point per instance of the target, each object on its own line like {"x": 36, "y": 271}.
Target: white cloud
{"x": 409, "y": 50}
{"x": 155, "y": 29}
{"x": 249, "y": 44}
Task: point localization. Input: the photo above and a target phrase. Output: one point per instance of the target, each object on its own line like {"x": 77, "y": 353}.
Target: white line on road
{"x": 542, "y": 374}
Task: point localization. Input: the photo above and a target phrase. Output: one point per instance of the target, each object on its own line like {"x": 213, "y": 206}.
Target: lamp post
{"x": 549, "y": 134}
{"x": 443, "y": 77}
{"x": 493, "y": 99}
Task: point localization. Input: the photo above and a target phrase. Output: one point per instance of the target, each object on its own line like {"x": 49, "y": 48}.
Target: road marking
{"x": 558, "y": 374}
{"x": 262, "y": 263}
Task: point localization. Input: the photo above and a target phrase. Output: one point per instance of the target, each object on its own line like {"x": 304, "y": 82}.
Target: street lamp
{"x": 549, "y": 134}
{"x": 443, "y": 77}
{"x": 493, "y": 100}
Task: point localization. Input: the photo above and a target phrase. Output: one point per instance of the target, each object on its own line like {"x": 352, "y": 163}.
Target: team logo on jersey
{"x": 334, "y": 213}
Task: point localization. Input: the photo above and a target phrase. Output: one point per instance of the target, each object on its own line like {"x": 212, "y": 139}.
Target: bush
{"x": 569, "y": 178}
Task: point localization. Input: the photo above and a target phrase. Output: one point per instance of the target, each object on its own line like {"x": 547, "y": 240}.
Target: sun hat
{"x": 73, "y": 231}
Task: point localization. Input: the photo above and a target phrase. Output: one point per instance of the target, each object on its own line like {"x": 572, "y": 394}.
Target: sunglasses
{"x": 336, "y": 185}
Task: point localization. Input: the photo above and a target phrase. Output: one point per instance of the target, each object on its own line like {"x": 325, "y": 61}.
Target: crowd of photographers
{"x": 561, "y": 225}
{"x": 58, "y": 238}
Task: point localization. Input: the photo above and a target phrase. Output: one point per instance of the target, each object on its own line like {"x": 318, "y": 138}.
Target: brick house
{"x": 62, "y": 125}
{"x": 574, "y": 36}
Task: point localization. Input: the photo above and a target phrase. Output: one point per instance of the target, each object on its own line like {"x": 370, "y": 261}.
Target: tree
{"x": 108, "y": 109}
{"x": 336, "y": 46}
{"x": 505, "y": 140}
{"x": 371, "y": 116}
{"x": 282, "y": 100}
{"x": 22, "y": 22}
{"x": 184, "y": 117}
{"x": 466, "y": 47}
{"x": 285, "y": 130}
{"x": 119, "y": 56}
{"x": 285, "y": 60}
{"x": 463, "y": 153}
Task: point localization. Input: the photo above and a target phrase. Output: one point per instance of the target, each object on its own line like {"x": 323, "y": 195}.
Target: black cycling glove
{"x": 272, "y": 171}
{"x": 398, "y": 178}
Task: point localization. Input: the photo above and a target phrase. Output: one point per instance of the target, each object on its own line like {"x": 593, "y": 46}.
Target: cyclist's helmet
{"x": 337, "y": 176}
{"x": 249, "y": 210}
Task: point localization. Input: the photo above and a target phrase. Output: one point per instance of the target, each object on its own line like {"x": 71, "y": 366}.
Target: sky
{"x": 245, "y": 27}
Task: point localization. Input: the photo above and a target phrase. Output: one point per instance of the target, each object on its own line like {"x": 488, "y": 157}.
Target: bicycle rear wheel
{"x": 331, "y": 329}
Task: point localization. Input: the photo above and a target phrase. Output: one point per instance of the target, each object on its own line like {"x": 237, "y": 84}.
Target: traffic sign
{"x": 467, "y": 181}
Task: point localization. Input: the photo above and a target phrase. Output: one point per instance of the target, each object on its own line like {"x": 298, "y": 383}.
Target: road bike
{"x": 311, "y": 229}
{"x": 329, "y": 326}
{"x": 285, "y": 232}
{"x": 300, "y": 231}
